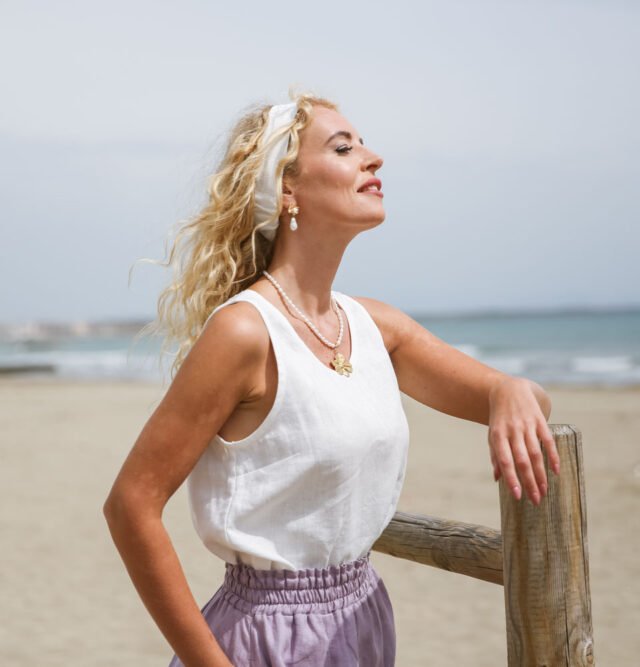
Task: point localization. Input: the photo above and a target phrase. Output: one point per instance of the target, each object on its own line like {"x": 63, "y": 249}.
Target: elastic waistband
{"x": 317, "y": 589}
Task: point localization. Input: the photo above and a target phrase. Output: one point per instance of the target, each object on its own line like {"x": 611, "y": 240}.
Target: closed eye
{"x": 344, "y": 149}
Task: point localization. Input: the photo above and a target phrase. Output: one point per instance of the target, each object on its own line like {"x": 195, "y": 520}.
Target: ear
{"x": 288, "y": 195}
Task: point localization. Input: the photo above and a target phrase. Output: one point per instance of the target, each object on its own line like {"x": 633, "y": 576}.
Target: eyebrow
{"x": 342, "y": 133}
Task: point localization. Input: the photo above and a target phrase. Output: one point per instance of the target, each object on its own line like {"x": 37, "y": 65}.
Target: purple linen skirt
{"x": 338, "y": 616}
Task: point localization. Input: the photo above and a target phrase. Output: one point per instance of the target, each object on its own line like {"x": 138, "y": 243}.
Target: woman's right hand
{"x": 217, "y": 374}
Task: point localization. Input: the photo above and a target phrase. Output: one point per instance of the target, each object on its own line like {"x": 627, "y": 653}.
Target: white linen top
{"x": 317, "y": 482}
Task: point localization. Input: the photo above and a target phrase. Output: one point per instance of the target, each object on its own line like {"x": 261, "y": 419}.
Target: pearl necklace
{"x": 342, "y": 366}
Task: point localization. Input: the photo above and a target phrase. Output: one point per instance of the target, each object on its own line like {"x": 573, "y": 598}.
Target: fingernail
{"x": 516, "y": 492}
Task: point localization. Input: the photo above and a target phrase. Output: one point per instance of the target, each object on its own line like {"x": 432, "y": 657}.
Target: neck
{"x": 306, "y": 268}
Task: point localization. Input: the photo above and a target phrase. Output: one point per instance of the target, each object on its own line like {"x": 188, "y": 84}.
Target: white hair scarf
{"x": 266, "y": 200}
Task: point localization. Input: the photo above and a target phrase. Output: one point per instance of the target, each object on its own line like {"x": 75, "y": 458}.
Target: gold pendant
{"x": 342, "y": 366}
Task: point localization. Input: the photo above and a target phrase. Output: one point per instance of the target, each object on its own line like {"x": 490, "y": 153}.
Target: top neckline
{"x": 353, "y": 336}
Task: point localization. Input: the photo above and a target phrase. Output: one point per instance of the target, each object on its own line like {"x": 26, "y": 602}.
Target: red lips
{"x": 372, "y": 181}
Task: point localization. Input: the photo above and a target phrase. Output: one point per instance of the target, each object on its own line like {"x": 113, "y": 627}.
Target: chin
{"x": 375, "y": 218}
{"x": 374, "y": 222}
{"x": 380, "y": 218}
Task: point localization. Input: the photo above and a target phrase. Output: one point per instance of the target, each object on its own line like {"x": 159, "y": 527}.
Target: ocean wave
{"x": 118, "y": 358}
{"x": 604, "y": 365}
{"x": 82, "y": 364}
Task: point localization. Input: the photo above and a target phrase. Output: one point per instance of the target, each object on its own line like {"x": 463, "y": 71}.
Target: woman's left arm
{"x": 438, "y": 375}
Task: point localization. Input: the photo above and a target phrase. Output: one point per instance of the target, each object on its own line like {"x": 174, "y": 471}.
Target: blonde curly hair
{"x": 220, "y": 252}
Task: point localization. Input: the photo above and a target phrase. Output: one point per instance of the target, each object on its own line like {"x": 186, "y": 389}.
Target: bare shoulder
{"x": 394, "y": 324}
{"x": 237, "y": 322}
{"x": 222, "y": 369}
{"x": 239, "y": 327}
{"x": 235, "y": 340}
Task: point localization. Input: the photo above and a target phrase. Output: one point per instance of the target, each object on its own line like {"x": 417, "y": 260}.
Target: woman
{"x": 284, "y": 414}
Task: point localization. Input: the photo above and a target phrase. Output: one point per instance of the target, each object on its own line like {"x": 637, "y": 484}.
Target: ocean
{"x": 594, "y": 348}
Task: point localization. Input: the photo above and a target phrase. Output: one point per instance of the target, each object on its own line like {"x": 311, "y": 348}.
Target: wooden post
{"x": 546, "y": 566}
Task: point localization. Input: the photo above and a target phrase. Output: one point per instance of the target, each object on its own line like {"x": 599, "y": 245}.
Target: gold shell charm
{"x": 342, "y": 366}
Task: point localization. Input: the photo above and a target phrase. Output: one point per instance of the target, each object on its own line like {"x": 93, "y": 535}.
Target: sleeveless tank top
{"x": 317, "y": 482}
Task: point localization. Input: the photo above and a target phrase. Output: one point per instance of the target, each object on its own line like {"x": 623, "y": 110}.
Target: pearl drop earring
{"x": 293, "y": 210}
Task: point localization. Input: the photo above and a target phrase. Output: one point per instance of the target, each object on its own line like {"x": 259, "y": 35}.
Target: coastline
{"x": 64, "y": 440}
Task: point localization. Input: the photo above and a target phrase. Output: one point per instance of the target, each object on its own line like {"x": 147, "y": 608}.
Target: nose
{"x": 372, "y": 161}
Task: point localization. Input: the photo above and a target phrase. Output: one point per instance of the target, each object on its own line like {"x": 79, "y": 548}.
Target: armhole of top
{"x": 373, "y": 329}
{"x": 280, "y": 375}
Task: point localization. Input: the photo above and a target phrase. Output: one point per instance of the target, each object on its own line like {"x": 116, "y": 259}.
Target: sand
{"x": 67, "y": 599}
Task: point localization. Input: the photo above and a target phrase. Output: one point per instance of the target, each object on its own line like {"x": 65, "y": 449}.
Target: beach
{"x": 68, "y": 600}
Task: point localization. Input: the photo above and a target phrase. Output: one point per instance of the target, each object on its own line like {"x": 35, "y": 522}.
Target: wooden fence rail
{"x": 540, "y": 556}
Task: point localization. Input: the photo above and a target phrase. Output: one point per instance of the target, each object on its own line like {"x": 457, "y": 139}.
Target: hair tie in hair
{"x": 265, "y": 193}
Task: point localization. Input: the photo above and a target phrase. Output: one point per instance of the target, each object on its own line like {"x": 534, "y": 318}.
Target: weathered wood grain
{"x": 449, "y": 545}
{"x": 541, "y": 556}
{"x": 546, "y": 566}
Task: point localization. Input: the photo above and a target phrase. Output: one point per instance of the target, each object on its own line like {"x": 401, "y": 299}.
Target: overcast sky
{"x": 509, "y": 131}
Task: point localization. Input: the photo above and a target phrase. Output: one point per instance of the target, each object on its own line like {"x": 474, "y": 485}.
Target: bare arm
{"x": 444, "y": 378}
{"x": 431, "y": 371}
{"x": 204, "y": 392}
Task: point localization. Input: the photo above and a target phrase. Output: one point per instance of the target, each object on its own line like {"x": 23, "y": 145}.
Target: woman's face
{"x": 333, "y": 166}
